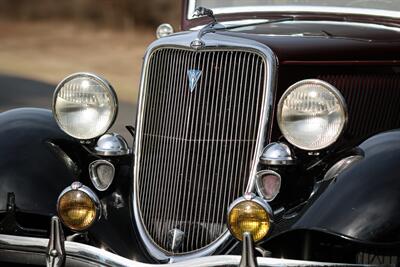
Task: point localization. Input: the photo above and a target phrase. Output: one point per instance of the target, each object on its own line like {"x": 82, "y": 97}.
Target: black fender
{"x": 363, "y": 202}
{"x": 38, "y": 161}
{"x": 29, "y": 165}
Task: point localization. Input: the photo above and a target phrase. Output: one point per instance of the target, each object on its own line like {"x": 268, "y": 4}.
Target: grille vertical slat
{"x": 179, "y": 144}
{"x": 220, "y": 136}
{"x": 155, "y": 143}
{"x": 192, "y": 160}
{"x": 171, "y": 143}
{"x": 159, "y": 209}
{"x": 167, "y": 141}
{"x": 242, "y": 121}
{"x": 180, "y": 136}
{"x": 187, "y": 151}
{"x": 197, "y": 147}
{"x": 210, "y": 162}
{"x": 215, "y": 129}
{"x": 230, "y": 169}
{"x": 150, "y": 142}
{"x": 144, "y": 184}
{"x": 246, "y": 120}
{"x": 202, "y": 126}
{"x": 224, "y": 136}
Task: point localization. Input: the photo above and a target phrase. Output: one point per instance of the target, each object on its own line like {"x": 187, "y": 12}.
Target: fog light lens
{"x": 268, "y": 184}
{"x": 248, "y": 216}
{"x": 78, "y": 207}
{"x": 102, "y": 174}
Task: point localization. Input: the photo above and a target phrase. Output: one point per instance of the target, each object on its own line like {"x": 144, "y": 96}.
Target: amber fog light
{"x": 249, "y": 214}
{"x": 78, "y": 207}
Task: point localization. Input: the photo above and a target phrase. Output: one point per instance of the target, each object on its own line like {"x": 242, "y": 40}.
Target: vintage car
{"x": 267, "y": 134}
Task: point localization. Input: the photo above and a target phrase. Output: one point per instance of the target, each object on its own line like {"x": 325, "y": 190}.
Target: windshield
{"x": 387, "y": 8}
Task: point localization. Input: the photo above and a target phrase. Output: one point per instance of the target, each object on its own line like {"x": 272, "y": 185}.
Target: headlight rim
{"x": 251, "y": 197}
{"x": 97, "y": 78}
{"x": 331, "y": 89}
{"x": 78, "y": 186}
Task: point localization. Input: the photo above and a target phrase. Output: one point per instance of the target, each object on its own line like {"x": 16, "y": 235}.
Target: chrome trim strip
{"x": 216, "y": 42}
{"x": 36, "y": 247}
{"x": 298, "y": 9}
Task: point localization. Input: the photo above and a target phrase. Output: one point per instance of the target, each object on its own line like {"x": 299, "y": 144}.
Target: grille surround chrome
{"x": 214, "y": 42}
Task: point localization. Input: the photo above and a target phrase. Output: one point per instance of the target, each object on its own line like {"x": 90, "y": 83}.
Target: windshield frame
{"x": 297, "y": 8}
{"x": 288, "y": 10}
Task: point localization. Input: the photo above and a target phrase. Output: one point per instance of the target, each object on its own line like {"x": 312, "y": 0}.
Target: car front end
{"x": 265, "y": 135}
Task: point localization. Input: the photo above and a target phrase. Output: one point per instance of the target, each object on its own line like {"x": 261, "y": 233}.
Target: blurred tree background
{"x": 42, "y": 41}
{"x": 109, "y": 13}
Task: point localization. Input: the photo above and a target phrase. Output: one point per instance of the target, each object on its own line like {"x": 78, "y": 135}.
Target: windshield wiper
{"x": 272, "y": 21}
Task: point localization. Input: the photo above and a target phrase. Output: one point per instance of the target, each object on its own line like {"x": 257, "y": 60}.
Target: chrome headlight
{"x": 84, "y": 105}
{"x": 312, "y": 114}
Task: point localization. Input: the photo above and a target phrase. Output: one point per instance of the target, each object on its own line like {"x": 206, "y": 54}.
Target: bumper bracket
{"x": 55, "y": 252}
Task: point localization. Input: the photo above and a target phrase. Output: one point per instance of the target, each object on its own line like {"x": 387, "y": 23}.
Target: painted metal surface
{"x": 30, "y": 168}
{"x": 363, "y": 201}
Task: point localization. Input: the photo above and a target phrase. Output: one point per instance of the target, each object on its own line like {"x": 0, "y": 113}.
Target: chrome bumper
{"x": 33, "y": 251}
{"x": 45, "y": 251}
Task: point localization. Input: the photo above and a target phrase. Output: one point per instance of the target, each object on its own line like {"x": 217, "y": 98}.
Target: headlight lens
{"x": 84, "y": 105}
{"x": 248, "y": 216}
{"x": 312, "y": 114}
{"x": 78, "y": 207}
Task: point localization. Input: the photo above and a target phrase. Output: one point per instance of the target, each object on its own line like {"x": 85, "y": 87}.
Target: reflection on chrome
{"x": 31, "y": 249}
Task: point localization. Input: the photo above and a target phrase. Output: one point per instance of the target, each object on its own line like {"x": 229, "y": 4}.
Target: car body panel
{"x": 29, "y": 167}
{"x": 362, "y": 203}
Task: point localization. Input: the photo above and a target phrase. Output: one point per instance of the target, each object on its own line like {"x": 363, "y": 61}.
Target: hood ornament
{"x": 193, "y": 76}
{"x": 203, "y": 11}
{"x": 210, "y": 27}
{"x": 175, "y": 239}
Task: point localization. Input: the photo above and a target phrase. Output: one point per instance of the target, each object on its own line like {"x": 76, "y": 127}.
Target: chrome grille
{"x": 197, "y": 147}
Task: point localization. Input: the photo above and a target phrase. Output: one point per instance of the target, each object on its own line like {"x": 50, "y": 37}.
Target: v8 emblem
{"x": 193, "y": 76}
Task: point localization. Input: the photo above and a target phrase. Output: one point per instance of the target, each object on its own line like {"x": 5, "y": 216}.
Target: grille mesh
{"x": 197, "y": 147}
